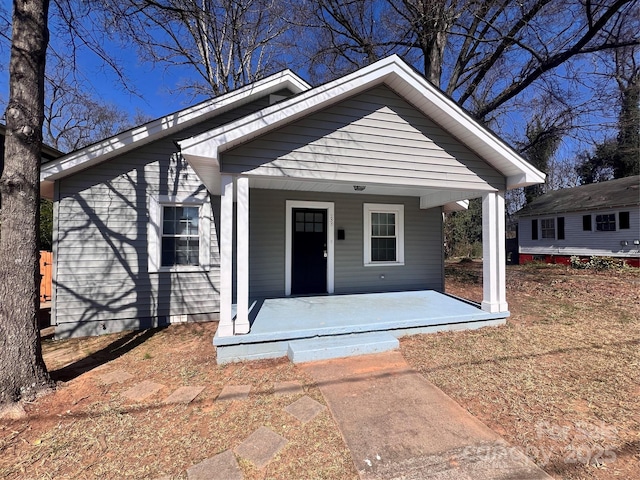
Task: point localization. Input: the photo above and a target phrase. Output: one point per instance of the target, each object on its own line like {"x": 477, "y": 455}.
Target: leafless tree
{"x": 227, "y": 43}
{"x": 334, "y": 37}
{"x": 485, "y": 54}
{"x": 73, "y": 117}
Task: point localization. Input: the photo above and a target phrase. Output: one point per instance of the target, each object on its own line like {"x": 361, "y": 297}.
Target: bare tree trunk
{"x": 22, "y": 369}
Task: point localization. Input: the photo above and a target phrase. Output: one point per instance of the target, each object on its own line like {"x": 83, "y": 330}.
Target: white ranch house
{"x": 286, "y": 212}
{"x": 597, "y": 220}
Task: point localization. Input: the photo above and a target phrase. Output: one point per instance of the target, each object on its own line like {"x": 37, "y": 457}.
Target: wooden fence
{"x": 46, "y": 268}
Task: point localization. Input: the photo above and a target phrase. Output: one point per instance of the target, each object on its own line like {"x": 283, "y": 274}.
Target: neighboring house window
{"x": 179, "y": 234}
{"x": 548, "y": 228}
{"x": 534, "y": 229}
{"x": 624, "y": 220}
{"x": 586, "y": 223}
{"x": 180, "y": 237}
{"x": 606, "y": 222}
{"x": 560, "y": 221}
{"x": 383, "y": 234}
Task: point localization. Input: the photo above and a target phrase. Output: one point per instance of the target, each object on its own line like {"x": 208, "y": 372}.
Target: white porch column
{"x": 225, "y": 327}
{"x": 242, "y": 256}
{"x": 493, "y": 253}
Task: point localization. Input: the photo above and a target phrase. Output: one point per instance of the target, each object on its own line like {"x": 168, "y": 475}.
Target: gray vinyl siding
{"x": 101, "y": 253}
{"x": 423, "y": 244}
{"x": 375, "y": 136}
{"x": 580, "y": 242}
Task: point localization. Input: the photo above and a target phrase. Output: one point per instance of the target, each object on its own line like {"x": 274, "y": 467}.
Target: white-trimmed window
{"x": 179, "y": 234}
{"x": 548, "y": 228}
{"x": 383, "y": 234}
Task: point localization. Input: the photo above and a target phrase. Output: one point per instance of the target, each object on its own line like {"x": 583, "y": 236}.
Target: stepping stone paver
{"x": 261, "y": 446}
{"x": 234, "y": 392}
{"x": 288, "y": 388}
{"x": 183, "y": 395}
{"x": 117, "y": 376}
{"x": 142, "y": 390}
{"x": 223, "y": 466}
{"x": 305, "y": 409}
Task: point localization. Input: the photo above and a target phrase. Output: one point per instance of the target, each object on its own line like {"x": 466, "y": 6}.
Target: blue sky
{"x": 156, "y": 90}
{"x": 156, "y": 87}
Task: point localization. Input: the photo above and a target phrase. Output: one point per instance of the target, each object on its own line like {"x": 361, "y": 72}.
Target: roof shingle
{"x": 621, "y": 192}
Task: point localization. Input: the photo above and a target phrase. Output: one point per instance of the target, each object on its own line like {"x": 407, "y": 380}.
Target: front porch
{"x": 312, "y": 328}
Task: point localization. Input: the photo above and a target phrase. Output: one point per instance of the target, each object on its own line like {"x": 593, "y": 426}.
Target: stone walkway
{"x": 396, "y": 424}
{"x": 259, "y": 448}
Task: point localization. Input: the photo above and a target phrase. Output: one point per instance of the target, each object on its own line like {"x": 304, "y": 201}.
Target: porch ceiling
{"x": 429, "y": 197}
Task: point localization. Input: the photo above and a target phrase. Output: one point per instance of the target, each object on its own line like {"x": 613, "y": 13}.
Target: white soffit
{"x": 164, "y": 126}
{"x": 395, "y": 73}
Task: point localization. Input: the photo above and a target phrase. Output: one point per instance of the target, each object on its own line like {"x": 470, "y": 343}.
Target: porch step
{"x": 336, "y": 346}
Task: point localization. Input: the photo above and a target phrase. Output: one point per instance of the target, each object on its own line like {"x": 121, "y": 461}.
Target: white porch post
{"x": 493, "y": 253}
{"x": 225, "y": 327}
{"x": 242, "y": 262}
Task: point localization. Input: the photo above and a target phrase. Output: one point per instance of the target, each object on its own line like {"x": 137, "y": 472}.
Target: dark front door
{"x": 309, "y": 251}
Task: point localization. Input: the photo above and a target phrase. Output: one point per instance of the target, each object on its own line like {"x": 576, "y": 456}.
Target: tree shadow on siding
{"x": 103, "y": 236}
{"x": 112, "y": 351}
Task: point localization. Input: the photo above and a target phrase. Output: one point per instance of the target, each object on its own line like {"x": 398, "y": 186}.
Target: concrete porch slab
{"x": 279, "y": 321}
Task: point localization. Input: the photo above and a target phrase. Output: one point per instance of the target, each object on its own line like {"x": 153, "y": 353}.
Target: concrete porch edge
{"x": 283, "y": 320}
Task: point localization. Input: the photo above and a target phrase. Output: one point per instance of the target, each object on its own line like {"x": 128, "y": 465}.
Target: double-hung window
{"x": 548, "y": 228}
{"x": 179, "y": 234}
{"x": 383, "y": 234}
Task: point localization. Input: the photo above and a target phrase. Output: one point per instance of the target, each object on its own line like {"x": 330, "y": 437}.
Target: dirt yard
{"x": 561, "y": 381}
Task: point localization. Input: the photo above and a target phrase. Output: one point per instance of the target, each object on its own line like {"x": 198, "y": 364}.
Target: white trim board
{"x": 329, "y": 207}
{"x": 154, "y": 233}
{"x": 398, "y": 211}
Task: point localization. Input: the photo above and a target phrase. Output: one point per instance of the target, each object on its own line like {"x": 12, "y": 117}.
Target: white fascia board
{"x": 406, "y": 82}
{"x": 458, "y": 122}
{"x": 164, "y": 126}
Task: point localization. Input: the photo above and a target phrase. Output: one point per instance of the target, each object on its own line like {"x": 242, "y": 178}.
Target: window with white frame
{"x": 179, "y": 234}
{"x": 548, "y": 228}
{"x": 383, "y": 234}
{"x": 180, "y": 237}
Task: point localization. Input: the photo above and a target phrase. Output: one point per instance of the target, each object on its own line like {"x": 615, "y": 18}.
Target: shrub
{"x": 597, "y": 263}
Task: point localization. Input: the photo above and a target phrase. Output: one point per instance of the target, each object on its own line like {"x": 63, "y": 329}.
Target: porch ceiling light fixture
{"x": 359, "y": 188}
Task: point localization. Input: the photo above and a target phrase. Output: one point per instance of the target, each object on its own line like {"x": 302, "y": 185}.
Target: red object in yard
{"x": 525, "y": 258}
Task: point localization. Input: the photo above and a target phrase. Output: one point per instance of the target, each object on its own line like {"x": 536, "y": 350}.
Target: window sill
{"x": 384, "y": 264}
{"x": 185, "y": 269}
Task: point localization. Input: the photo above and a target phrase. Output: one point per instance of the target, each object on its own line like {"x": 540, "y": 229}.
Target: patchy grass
{"x": 560, "y": 381}
{"x": 89, "y": 430}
